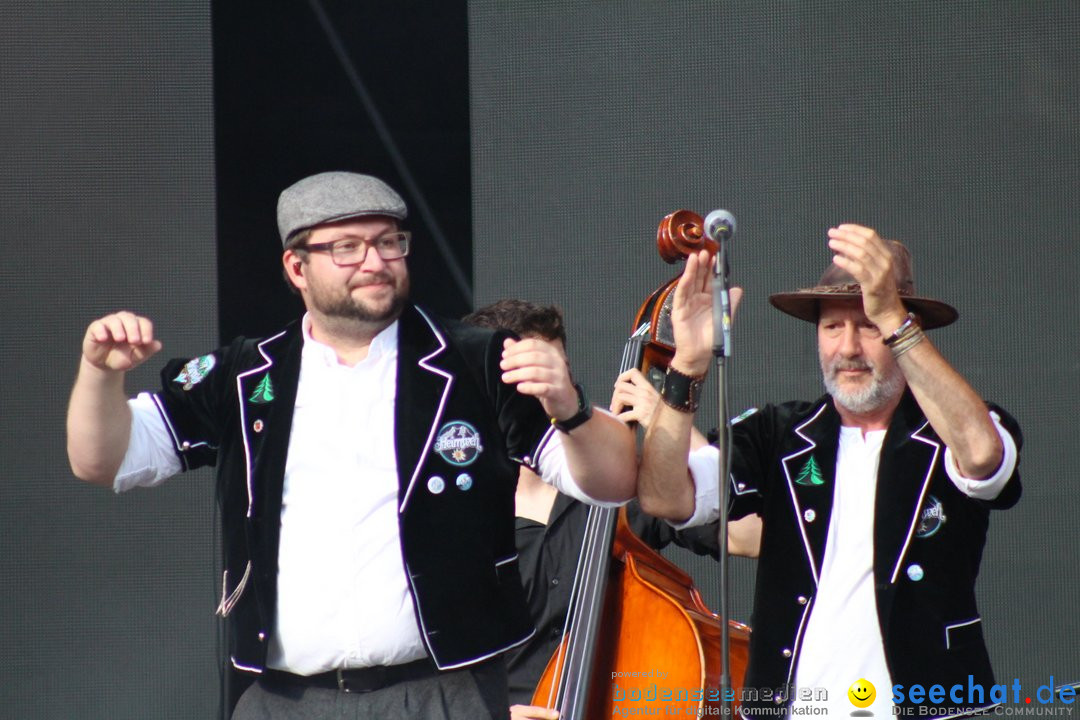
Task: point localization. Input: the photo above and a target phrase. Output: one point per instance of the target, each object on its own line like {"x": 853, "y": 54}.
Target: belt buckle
{"x": 342, "y": 685}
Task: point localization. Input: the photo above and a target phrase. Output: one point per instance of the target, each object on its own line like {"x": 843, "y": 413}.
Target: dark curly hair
{"x": 521, "y": 317}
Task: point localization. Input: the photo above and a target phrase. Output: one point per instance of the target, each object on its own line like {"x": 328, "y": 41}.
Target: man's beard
{"x": 882, "y": 389}
{"x": 345, "y": 307}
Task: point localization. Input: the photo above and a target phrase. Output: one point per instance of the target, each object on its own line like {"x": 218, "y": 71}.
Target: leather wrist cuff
{"x": 681, "y": 392}
{"x": 580, "y": 417}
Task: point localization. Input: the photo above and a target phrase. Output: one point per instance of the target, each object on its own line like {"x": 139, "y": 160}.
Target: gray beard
{"x": 879, "y": 393}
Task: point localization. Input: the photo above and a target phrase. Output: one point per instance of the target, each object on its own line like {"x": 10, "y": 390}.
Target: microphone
{"x": 719, "y": 225}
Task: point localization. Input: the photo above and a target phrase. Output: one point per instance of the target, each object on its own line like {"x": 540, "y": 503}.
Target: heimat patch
{"x": 458, "y": 443}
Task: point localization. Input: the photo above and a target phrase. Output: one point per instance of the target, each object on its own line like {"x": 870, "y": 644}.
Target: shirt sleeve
{"x": 555, "y": 471}
{"x": 704, "y": 464}
{"x": 150, "y": 457}
{"x": 988, "y": 488}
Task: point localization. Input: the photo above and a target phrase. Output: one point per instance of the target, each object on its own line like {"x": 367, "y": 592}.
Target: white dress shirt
{"x": 343, "y": 597}
{"x": 842, "y": 643}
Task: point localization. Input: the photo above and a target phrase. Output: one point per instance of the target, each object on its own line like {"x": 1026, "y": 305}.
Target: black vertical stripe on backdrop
{"x": 285, "y": 107}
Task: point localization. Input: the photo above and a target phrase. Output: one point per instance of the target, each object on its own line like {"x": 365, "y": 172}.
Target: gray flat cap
{"x": 332, "y": 196}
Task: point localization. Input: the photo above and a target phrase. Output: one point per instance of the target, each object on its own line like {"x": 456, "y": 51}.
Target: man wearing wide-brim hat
{"x": 874, "y": 498}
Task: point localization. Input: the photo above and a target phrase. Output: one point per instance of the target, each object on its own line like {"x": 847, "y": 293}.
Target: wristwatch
{"x": 583, "y": 413}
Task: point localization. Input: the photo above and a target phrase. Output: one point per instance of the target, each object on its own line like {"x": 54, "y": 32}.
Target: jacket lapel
{"x": 423, "y": 388}
{"x": 810, "y": 470}
{"x": 908, "y": 456}
{"x": 266, "y": 395}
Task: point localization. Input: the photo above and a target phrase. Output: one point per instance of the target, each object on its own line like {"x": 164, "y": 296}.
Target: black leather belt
{"x": 356, "y": 680}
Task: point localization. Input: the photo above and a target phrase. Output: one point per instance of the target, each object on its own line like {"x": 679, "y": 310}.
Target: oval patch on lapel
{"x": 458, "y": 443}
{"x": 931, "y": 518}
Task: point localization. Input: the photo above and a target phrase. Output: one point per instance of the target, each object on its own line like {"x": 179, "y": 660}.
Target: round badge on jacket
{"x": 458, "y": 443}
{"x": 931, "y": 518}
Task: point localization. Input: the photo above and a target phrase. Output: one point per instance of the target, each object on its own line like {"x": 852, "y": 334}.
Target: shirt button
{"x": 786, "y": 652}
{"x": 802, "y": 600}
{"x": 554, "y": 581}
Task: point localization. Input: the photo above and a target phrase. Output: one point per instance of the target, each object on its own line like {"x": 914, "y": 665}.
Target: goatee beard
{"x": 348, "y": 309}
{"x": 345, "y": 309}
{"x": 879, "y": 393}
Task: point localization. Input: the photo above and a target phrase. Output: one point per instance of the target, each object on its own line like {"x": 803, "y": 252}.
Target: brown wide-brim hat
{"x": 837, "y": 284}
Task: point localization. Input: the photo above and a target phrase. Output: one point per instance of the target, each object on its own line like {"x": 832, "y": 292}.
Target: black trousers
{"x": 473, "y": 693}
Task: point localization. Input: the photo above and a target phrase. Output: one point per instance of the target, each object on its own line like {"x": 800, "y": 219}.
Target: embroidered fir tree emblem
{"x": 810, "y": 474}
{"x": 264, "y": 391}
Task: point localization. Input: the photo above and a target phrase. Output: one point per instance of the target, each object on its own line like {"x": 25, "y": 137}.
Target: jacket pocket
{"x": 963, "y": 633}
{"x": 228, "y": 599}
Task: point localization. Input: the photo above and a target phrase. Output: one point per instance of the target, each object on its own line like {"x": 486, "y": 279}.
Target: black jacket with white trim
{"x": 457, "y": 542}
{"x": 928, "y": 543}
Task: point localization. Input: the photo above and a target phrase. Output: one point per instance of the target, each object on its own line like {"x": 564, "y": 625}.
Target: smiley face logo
{"x": 861, "y": 693}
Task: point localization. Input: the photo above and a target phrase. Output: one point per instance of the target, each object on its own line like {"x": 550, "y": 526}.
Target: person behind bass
{"x": 550, "y": 525}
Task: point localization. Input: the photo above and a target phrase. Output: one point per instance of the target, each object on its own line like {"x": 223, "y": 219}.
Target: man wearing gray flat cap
{"x": 366, "y": 462}
{"x": 875, "y": 498}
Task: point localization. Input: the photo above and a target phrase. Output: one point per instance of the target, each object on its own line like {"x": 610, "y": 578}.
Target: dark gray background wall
{"x": 107, "y": 195}
{"x": 951, "y": 126}
{"x": 135, "y": 173}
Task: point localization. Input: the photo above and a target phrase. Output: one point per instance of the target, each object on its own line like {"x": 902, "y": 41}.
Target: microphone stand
{"x": 721, "y": 352}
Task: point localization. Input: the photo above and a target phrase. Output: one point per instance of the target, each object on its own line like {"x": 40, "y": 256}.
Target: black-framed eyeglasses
{"x": 353, "y": 251}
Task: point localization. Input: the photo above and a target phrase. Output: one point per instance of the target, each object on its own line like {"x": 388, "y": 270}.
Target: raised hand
{"x": 691, "y": 316}
{"x": 119, "y": 342}
{"x": 862, "y": 253}
{"x": 539, "y": 369}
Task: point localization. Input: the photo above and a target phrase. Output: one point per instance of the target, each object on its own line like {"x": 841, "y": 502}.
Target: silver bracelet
{"x": 909, "y": 341}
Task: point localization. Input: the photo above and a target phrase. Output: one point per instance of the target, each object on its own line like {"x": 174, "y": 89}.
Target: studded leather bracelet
{"x": 680, "y": 391}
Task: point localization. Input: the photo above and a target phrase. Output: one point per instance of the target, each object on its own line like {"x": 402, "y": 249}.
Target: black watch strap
{"x": 681, "y": 392}
{"x": 583, "y": 414}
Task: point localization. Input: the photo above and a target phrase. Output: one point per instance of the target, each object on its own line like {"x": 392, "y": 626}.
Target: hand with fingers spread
{"x": 691, "y": 315}
{"x": 537, "y": 368}
{"x": 865, "y": 255}
{"x": 119, "y": 342}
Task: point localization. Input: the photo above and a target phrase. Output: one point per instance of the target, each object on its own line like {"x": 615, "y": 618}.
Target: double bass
{"x": 639, "y": 639}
